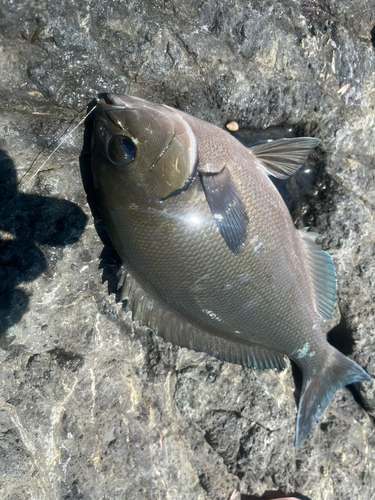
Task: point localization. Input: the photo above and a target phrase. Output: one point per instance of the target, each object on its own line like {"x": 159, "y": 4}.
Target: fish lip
{"x": 111, "y": 99}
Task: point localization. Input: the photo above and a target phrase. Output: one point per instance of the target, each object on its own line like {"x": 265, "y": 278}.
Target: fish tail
{"x": 317, "y": 391}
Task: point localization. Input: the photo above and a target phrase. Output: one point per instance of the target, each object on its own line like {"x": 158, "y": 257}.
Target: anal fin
{"x": 174, "y": 329}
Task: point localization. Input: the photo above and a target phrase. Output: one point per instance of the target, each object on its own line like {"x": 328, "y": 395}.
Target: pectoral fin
{"x": 283, "y": 157}
{"x": 226, "y": 207}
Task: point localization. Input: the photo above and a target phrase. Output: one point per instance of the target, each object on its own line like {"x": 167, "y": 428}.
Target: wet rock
{"x": 91, "y": 405}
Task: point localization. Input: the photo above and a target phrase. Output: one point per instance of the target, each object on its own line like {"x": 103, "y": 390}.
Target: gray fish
{"x": 211, "y": 258}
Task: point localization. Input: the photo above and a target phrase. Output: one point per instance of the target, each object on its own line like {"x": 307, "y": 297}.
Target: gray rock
{"x": 94, "y": 407}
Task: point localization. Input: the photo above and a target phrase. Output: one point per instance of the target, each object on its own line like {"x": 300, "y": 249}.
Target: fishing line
{"x": 62, "y": 141}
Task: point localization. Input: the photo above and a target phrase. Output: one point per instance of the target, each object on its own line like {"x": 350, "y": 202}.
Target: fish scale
{"x": 212, "y": 259}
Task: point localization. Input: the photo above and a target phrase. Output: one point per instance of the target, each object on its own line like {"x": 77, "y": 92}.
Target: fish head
{"x": 142, "y": 147}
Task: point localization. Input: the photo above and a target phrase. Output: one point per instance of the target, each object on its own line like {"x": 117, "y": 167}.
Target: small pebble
{"x": 232, "y": 126}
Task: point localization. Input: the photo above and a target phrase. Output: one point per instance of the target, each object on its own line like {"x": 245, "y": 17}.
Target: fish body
{"x": 212, "y": 259}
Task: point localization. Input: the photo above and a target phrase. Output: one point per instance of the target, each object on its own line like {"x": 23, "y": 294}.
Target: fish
{"x": 211, "y": 259}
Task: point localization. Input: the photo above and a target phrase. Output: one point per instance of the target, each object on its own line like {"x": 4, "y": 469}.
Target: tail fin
{"x": 318, "y": 390}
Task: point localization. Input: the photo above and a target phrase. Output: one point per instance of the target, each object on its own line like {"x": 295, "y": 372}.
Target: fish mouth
{"x": 112, "y": 100}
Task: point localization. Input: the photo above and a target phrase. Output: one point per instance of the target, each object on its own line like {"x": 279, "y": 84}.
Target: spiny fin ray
{"x": 322, "y": 273}
{"x": 283, "y": 157}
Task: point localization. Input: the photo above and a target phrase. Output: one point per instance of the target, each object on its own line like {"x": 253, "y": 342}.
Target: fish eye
{"x": 121, "y": 150}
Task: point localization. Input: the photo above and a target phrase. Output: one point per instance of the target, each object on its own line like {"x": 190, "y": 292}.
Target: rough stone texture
{"x": 93, "y": 407}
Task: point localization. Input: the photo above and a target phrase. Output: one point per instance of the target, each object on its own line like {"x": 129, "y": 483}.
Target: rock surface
{"x": 94, "y": 407}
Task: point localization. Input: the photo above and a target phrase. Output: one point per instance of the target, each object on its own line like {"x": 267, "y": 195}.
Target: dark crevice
{"x": 373, "y": 36}
{"x": 360, "y": 399}
{"x": 297, "y": 376}
{"x": 204, "y": 482}
{"x": 309, "y": 185}
{"x": 341, "y": 337}
{"x": 67, "y": 360}
{"x": 271, "y": 495}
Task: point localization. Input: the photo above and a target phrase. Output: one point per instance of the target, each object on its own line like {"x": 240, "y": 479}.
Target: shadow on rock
{"x": 109, "y": 259}
{"x": 28, "y": 222}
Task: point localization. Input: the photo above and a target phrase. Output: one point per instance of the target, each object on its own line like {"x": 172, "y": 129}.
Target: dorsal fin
{"x": 283, "y": 157}
{"x": 177, "y": 331}
{"x": 322, "y": 273}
